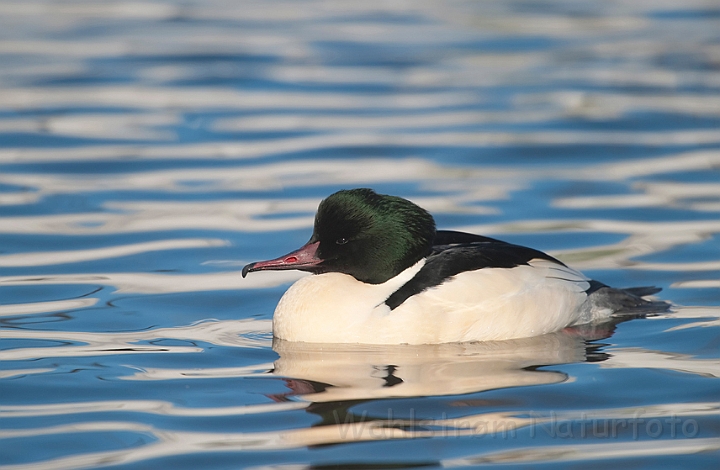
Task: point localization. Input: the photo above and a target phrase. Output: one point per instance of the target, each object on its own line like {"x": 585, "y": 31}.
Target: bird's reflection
{"x": 335, "y": 377}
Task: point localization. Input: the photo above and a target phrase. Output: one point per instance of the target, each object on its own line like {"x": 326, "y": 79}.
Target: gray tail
{"x": 630, "y": 302}
{"x": 642, "y": 291}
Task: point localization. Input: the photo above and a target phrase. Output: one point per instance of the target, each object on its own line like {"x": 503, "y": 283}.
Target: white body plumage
{"x": 479, "y": 305}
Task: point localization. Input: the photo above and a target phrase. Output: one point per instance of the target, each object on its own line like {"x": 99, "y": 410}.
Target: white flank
{"x": 480, "y": 305}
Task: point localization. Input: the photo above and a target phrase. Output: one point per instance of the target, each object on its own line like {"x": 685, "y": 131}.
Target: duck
{"x": 383, "y": 274}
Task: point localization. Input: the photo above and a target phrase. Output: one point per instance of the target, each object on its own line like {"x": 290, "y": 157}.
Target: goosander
{"x": 382, "y": 274}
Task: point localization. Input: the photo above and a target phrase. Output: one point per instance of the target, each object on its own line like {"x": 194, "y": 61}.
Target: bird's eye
{"x": 341, "y": 241}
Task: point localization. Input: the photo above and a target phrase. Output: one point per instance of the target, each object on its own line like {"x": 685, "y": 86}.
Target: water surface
{"x": 149, "y": 150}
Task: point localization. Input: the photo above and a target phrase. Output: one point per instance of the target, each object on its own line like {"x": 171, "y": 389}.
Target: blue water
{"x": 149, "y": 150}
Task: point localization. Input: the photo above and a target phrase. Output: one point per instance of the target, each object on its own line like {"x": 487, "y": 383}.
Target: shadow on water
{"x": 349, "y": 372}
{"x": 334, "y": 378}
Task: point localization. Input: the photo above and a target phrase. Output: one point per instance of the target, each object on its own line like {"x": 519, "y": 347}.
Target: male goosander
{"x": 384, "y": 275}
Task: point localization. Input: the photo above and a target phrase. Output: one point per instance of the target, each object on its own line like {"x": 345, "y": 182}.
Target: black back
{"x": 460, "y": 252}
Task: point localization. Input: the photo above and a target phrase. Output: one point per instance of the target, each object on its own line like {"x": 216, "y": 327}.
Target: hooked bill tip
{"x": 247, "y": 269}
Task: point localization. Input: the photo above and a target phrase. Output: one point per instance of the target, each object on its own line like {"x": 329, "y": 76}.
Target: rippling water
{"x": 149, "y": 150}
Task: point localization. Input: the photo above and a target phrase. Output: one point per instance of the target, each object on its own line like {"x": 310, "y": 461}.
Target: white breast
{"x": 335, "y": 308}
{"x": 486, "y": 304}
